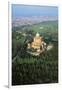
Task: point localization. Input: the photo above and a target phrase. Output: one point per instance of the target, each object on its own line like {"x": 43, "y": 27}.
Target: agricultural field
{"x": 29, "y": 69}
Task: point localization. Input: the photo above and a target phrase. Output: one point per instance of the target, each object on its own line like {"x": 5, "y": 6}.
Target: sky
{"x": 19, "y": 10}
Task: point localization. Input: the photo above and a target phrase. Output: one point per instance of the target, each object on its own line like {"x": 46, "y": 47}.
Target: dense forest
{"x": 28, "y": 69}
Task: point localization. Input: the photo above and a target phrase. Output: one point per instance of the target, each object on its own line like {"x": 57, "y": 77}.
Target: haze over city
{"x": 31, "y": 14}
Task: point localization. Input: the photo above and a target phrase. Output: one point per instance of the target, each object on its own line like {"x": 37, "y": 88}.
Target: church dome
{"x": 37, "y": 35}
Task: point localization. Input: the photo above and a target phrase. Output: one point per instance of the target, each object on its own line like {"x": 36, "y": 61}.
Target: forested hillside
{"x": 28, "y": 69}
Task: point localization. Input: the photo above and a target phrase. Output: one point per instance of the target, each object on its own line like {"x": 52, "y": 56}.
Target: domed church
{"x": 38, "y": 44}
